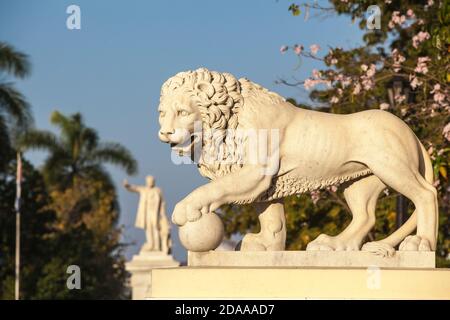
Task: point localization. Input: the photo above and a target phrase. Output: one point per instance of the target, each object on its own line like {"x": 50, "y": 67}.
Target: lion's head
{"x": 207, "y": 97}
{"x": 199, "y": 110}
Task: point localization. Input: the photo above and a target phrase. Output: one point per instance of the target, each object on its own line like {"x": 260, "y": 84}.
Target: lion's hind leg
{"x": 408, "y": 181}
{"x": 361, "y": 196}
{"x": 272, "y": 236}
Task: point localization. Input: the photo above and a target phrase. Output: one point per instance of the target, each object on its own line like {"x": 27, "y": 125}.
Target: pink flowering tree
{"x": 402, "y": 68}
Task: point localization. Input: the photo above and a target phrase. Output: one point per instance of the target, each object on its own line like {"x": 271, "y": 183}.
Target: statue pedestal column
{"x": 140, "y": 268}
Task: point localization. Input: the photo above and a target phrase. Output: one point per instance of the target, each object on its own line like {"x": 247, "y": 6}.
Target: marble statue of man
{"x": 151, "y": 216}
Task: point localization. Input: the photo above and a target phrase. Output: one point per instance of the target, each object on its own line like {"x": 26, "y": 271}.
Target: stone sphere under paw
{"x": 202, "y": 235}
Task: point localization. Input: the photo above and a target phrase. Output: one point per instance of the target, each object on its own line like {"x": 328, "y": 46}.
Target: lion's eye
{"x": 183, "y": 113}
{"x": 162, "y": 113}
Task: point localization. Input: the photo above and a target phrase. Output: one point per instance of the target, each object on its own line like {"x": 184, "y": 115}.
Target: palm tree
{"x": 76, "y": 152}
{"x": 15, "y": 113}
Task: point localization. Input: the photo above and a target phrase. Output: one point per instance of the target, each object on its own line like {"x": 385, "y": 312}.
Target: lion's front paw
{"x": 187, "y": 210}
{"x": 179, "y": 214}
{"x": 415, "y": 243}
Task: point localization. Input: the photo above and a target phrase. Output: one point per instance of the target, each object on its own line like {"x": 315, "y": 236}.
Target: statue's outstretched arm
{"x": 244, "y": 185}
{"x": 130, "y": 187}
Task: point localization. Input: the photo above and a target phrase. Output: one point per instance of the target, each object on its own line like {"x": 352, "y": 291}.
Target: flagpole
{"x": 17, "y": 207}
{"x": 17, "y": 286}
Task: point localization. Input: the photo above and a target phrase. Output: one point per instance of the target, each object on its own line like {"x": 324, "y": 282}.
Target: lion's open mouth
{"x": 185, "y": 148}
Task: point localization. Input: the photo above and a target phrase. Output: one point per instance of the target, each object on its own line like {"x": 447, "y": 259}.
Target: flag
{"x": 18, "y": 182}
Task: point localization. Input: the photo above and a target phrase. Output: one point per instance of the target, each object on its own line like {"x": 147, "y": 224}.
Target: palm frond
{"x": 13, "y": 62}
{"x": 116, "y": 154}
{"x": 63, "y": 122}
{"x": 89, "y": 138}
{"x": 40, "y": 140}
{"x": 14, "y": 105}
{"x": 5, "y": 144}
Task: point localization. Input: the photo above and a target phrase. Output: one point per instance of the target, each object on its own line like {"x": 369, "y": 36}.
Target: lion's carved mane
{"x": 220, "y": 97}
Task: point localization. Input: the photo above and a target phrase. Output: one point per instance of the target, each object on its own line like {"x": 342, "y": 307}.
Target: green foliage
{"x": 69, "y": 211}
{"x": 76, "y": 152}
{"x": 48, "y": 249}
{"x": 15, "y": 113}
{"x": 51, "y": 243}
{"x": 35, "y": 227}
{"x": 295, "y": 9}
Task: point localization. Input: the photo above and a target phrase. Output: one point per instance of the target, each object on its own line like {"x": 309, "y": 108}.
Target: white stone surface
{"x": 212, "y": 116}
{"x": 140, "y": 268}
{"x": 401, "y": 259}
{"x": 300, "y": 283}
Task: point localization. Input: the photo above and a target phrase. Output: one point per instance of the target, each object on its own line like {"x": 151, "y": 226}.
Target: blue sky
{"x": 112, "y": 69}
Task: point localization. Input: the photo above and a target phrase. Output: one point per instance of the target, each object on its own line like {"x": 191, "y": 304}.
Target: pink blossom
{"x": 309, "y": 83}
{"x": 371, "y": 72}
{"x": 314, "y": 49}
{"x": 430, "y": 3}
{"x": 410, "y": 13}
{"x": 415, "y": 82}
{"x": 346, "y": 81}
{"x": 367, "y": 83}
{"x": 446, "y": 131}
{"x": 367, "y": 80}
{"x": 357, "y": 89}
{"x": 384, "y": 106}
{"x": 334, "y": 99}
{"x": 438, "y": 96}
{"x": 283, "y": 49}
{"x": 398, "y": 60}
{"x": 400, "y": 98}
{"x": 334, "y": 61}
{"x": 333, "y": 188}
{"x": 396, "y": 19}
{"x": 436, "y": 87}
{"x": 422, "y": 65}
{"x": 316, "y": 74}
{"x": 315, "y": 196}
{"x": 298, "y": 49}
{"x": 364, "y": 67}
{"x": 419, "y": 38}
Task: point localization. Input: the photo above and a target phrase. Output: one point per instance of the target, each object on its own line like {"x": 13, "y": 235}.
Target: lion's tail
{"x": 426, "y": 170}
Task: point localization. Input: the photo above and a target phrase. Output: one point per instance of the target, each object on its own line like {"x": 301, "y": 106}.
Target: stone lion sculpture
{"x": 364, "y": 153}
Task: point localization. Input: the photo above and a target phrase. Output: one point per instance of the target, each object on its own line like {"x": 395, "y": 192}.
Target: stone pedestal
{"x": 140, "y": 268}
{"x": 304, "y": 275}
{"x": 401, "y": 259}
{"x": 300, "y": 283}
